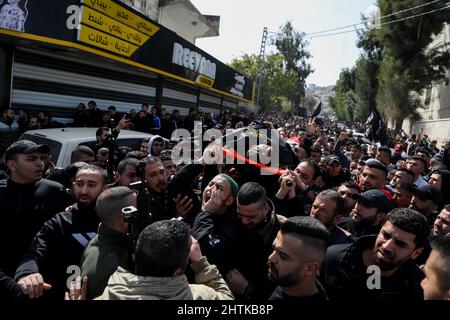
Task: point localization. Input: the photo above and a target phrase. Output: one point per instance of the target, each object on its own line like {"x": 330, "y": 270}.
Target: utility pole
{"x": 262, "y": 52}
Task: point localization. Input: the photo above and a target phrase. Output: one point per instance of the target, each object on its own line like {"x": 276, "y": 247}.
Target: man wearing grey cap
{"x": 27, "y": 201}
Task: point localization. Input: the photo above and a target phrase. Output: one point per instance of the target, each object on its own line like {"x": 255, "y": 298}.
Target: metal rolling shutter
{"x": 43, "y": 83}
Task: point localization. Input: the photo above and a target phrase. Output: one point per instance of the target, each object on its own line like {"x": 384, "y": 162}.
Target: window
{"x": 55, "y": 146}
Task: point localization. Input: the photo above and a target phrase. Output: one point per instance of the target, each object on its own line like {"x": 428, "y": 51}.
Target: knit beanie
{"x": 233, "y": 184}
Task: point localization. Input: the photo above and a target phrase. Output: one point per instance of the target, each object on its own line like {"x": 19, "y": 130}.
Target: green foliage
{"x": 292, "y": 45}
{"x": 397, "y": 63}
{"x": 343, "y": 103}
{"x": 249, "y": 65}
{"x": 277, "y": 83}
{"x": 408, "y": 64}
{"x": 366, "y": 85}
{"x": 283, "y": 74}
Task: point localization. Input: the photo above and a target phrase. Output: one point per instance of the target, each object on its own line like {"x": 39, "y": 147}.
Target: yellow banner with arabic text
{"x": 123, "y": 15}
{"x": 105, "y": 41}
{"x": 110, "y": 26}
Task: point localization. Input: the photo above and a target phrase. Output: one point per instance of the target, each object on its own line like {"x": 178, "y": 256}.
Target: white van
{"x": 63, "y": 140}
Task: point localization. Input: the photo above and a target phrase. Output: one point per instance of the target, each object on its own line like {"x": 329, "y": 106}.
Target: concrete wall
{"x": 435, "y": 129}
{"x": 150, "y": 8}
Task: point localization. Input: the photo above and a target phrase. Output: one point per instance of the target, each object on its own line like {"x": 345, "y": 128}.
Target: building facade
{"x": 114, "y": 54}
{"x": 180, "y": 16}
{"x": 435, "y": 110}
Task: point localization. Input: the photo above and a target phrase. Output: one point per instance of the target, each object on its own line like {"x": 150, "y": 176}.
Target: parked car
{"x": 63, "y": 140}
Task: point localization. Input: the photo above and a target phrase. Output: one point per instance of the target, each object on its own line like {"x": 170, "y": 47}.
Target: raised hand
{"x": 77, "y": 289}
{"x": 183, "y": 205}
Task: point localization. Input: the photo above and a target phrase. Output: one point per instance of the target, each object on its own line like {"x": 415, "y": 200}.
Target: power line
{"x": 366, "y": 20}
{"x": 381, "y": 24}
{"x": 333, "y": 34}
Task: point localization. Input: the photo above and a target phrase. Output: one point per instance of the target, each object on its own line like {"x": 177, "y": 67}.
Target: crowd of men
{"x": 342, "y": 217}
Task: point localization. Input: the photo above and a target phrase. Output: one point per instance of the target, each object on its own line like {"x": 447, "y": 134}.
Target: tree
{"x": 344, "y": 101}
{"x": 408, "y": 64}
{"x": 366, "y": 73}
{"x": 277, "y": 83}
{"x": 293, "y": 46}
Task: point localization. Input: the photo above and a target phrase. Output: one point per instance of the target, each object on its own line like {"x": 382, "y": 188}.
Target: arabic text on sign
{"x": 123, "y": 15}
{"x": 106, "y": 24}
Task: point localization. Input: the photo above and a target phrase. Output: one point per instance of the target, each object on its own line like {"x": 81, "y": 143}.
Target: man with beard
{"x": 294, "y": 199}
{"x": 379, "y": 267}
{"x": 260, "y": 223}
{"x": 161, "y": 206}
{"x": 442, "y": 223}
{"x": 327, "y": 208}
{"x": 374, "y": 176}
{"x": 298, "y": 252}
{"x": 427, "y": 201}
{"x": 336, "y": 175}
{"x": 370, "y": 210}
{"x": 348, "y": 191}
{"x": 62, "y": 239}
{"x": 436, "y": 284}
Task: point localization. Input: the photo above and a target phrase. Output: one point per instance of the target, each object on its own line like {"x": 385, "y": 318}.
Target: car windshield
{"x": 55, "y": 146}
{"x": 132, "y": 143}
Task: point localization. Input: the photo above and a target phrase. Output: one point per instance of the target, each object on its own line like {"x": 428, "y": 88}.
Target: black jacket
{"x": 356, "y": 229}
{"x": 338, "y": 236}
{"x": 345, "y": 275}
{"x": 258, "y": 248}
{"x": 25, "y": 208}
{"x": 162, "y": 206}
{"x": 220, "y": 237}
{"x": 226, "y": 243}
{"x": 333, "y": 182}
{"x": 181, "y": 184}
{"x": 9, "y": 289}
{"x": 291, "y": 207}
{"x": 58, "y": 245}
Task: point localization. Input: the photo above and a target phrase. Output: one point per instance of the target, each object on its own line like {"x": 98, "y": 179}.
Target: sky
{"x": 242, "y": 23}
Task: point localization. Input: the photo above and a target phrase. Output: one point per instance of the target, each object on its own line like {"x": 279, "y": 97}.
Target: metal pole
{"x": 262, "y": 51}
